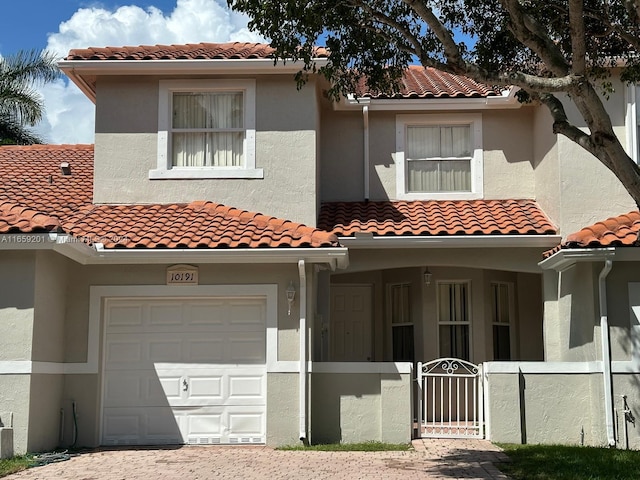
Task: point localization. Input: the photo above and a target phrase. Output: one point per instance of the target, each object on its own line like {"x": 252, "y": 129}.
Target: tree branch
{"x": 528, "y": 32}
{"x": 451, "y": 49}
{"x": 577, "y": 32}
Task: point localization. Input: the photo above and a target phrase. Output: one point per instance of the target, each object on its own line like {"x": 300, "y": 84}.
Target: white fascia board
{"x": 504, "y": 101}
{"x": 155, "y": 67}
{"x": 336, "y": 257}
{"x": 470, "y": 241}
{"x": 565, "y": 258}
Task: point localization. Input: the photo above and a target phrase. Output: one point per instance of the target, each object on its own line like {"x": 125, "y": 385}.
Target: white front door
{"x": 351, "y": 318}
{"x": 184, "y": 370}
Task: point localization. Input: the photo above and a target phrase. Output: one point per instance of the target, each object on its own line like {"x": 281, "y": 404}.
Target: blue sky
{"x": 31, "y": 21}
{"x": 60, "y": 25}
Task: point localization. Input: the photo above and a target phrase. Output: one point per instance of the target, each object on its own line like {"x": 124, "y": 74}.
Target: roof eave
{"x": 76, "y": 70}
{"x": 567, "y": 257}
{"x": 335, "y": 257}
{"x": 451, "y": 241}
{"x": 507, "y": 100}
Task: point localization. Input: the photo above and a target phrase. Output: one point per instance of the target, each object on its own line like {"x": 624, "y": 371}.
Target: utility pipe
{"x": 606, "y": 353}
{"x": 365, "y": 115}
{"x": 303, "y": 351}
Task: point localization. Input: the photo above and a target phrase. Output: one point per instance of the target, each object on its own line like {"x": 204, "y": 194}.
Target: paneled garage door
{"x": 182, "y": 370}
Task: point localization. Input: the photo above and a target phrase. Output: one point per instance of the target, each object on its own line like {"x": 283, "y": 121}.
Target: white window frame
{"x": 469, "y": 321}
{"x": 632, "y": 121}
{"x": 165, "y": 169}
{"x": 475, "y": 123}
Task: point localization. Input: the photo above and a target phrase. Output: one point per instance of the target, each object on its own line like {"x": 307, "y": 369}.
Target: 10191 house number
{"x": 182, "y": 275}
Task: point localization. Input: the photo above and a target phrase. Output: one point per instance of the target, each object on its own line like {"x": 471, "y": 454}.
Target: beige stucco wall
{"x": 360, "y": 407}
{"x": 17, "y": 304}
{"x": 628, "y": 385}
{"x": 571, "y": 315}
{"x": 572, "y": 186}
{"x": 283, "y": 417}
{"x": 622, "y": 339}
{"x": 50, "y": 307}
{"x": 508, "y": 171}
{"x": 546, "y": 408}
{"x": 286, "y": 136}
{"x": 14, "y": 407}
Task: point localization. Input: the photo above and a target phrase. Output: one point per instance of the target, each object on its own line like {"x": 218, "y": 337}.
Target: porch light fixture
{"x": 427, "y": 276}
{"x": 291, "y": 296}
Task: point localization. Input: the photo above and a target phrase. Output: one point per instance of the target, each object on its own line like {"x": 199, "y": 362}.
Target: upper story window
{"x": 439, "y": 157}
{"x": 206, "y": 129}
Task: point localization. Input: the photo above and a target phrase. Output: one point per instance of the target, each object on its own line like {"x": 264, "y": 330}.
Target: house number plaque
{"x": 182, "y": 275}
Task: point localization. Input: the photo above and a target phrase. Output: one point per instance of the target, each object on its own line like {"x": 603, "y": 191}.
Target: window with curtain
{"x": 207, "y": 129}
{"x": 501, "y": 319}
{"x": 401, "y": 323}
{"x": 439, "y": 156}
{"x": 454, "y": 320}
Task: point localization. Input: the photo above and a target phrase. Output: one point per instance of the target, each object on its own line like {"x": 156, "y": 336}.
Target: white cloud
{"x": 70, "y": 115}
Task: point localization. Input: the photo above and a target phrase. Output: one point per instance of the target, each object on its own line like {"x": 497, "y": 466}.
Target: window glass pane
{"x": 208, "y": 110}
{"x": 501, "y": 342}
{"x": 500, "y": 303}
{"x": 403, "y": 343}
{"x": 423, "y": 142}
{"x": 439, "y": 175}
{"x": 455, "y": 141}
{"x": 453, "y": 302}
{"x": 400, "y": 311}
{"x": 218, "y": 149}
{"x": 454, "y": 341}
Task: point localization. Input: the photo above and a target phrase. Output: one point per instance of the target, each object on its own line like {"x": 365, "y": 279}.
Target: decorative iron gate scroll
{"x": 450, "y": 399}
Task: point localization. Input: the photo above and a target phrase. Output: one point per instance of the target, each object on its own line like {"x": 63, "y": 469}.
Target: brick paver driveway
{"x": 431, "y": 459}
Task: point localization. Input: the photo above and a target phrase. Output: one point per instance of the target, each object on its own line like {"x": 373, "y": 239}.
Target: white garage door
{"x": 184, "y": 371}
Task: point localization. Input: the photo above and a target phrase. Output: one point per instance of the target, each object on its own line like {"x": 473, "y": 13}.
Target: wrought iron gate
{"x": 450, "y": 399}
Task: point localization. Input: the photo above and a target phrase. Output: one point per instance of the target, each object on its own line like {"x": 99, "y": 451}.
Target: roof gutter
{"x": 508, "y": 99}
{"x": 450, "y": 241}
{"x": 336, "y": 257}
{"x": 565, "y": 258}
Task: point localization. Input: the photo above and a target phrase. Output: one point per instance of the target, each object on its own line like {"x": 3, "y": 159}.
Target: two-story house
{"x": 236, "y": 261}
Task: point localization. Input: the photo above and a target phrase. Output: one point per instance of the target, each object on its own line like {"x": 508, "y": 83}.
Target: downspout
{"x": 365, "y": 115}
{"x": 303, "y": 351}
{"x": 606, "y": 353}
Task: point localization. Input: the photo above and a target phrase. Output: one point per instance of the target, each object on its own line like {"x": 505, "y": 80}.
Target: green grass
{"x": 15, "y": 464}
{"x": 352, "y": 447}
{"x": 556, "y": 462}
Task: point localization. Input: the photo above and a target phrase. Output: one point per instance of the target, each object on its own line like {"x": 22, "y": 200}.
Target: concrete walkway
{"x": 430, "y": 459}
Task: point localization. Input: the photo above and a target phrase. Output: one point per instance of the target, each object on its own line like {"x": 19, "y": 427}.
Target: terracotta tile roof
{"x": 31, "y": 176}
{"x": 18, "y": 219}
{"x": 191, "y": 51}
{"x": 420, "y": 82}
{"x": 196, "y": 225}
{"x": 433, "y": 218}
{"x": 620, "y": 231}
